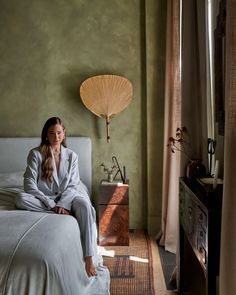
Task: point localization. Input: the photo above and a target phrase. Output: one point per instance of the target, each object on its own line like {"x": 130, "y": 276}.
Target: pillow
{"x": 11, "y": 179}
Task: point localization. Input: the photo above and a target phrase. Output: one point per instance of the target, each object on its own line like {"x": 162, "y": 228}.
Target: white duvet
{"x": 41, "y": 254}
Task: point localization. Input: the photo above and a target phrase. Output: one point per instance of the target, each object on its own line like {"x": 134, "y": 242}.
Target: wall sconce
{"x": 106, "y": 96}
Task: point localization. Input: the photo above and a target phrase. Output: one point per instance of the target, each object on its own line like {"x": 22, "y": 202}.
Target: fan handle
{"x": 107, "y": 128}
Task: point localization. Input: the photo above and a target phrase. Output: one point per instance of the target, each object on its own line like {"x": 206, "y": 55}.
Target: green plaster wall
{"x": 155, "y": 68}
{"x": 48, "y": 48}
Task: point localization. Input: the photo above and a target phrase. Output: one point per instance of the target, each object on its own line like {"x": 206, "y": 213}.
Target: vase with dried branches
{"x": 110, "y": 171}
{"x": 181, "y": 143}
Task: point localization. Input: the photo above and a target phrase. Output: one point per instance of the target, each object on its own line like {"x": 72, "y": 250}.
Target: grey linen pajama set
{"x": 66, "y": 190}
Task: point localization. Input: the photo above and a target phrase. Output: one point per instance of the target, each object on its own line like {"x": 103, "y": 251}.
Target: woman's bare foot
{"x": 89, "y": 266}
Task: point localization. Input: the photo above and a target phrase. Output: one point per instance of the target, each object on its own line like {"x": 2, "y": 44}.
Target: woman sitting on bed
{"x": 52, "y": 184}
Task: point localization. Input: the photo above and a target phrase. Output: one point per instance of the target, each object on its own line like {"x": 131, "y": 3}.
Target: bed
{"x": 34, "y": 257}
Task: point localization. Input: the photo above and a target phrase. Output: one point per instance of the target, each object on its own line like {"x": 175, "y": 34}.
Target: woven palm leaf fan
{"x": 106, "y": 96}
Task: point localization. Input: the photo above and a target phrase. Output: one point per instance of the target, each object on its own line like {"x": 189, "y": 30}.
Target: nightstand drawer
{"x": 113, "y": 225}
{"x": 113, "y": 194}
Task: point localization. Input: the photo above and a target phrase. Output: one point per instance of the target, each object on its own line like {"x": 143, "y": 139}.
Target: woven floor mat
{"x": 131, "y": 268}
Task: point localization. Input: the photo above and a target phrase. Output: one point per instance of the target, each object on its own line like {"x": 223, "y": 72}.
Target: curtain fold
{"x": 228, "y": 230}
{"x": 172, "y": 120}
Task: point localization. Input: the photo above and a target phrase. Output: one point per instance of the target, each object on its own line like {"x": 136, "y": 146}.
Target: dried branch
{"x": 180, "y": 143}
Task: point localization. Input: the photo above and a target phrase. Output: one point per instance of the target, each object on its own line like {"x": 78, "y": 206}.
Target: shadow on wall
{"x": 70, "y": 83}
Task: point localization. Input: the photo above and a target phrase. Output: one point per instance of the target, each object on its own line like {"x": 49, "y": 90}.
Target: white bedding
{"x": 11, "y": 179}
{"x": 11, "y": 183}
{"x": 36, "y": 259}
{"x": 7, "y": 197}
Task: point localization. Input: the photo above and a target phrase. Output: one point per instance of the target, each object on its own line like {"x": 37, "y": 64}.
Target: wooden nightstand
{"x": 113, "y": 203}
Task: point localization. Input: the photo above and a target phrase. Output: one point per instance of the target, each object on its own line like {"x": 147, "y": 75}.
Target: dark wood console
{"x": 200, "y": 226}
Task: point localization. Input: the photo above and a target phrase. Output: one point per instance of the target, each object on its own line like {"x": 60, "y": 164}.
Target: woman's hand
{"x": 60, "y": 210}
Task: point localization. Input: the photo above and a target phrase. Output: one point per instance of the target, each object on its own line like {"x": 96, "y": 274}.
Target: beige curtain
{"x": 193, "y": 78}
{"x": 171, "y": 162}
{"x": 185, "y": 103}
{"x": 228, "y": 232}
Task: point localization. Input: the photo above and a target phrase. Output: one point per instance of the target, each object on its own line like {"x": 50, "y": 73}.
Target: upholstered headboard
{"x": 14, "y": 151}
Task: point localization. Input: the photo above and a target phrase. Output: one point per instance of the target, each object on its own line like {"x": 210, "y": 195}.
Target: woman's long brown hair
{"x": 47, "y": 168}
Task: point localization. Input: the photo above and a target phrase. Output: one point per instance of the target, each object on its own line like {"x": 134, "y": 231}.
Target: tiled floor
{"x": 168, "y": 262}
{"x": 159, "y": 281}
